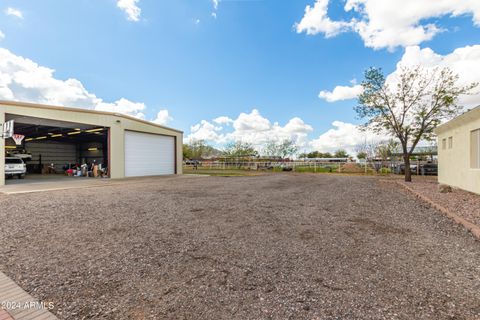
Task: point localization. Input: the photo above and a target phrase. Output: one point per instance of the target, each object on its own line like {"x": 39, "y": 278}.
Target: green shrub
{"x": 385, "y": 171}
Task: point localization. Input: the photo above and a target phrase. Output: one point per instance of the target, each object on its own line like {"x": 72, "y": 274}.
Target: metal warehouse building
{"x": 57, "y": 136}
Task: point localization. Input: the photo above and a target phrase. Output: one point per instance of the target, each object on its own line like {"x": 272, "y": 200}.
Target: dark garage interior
{"x": 57, "y": 147}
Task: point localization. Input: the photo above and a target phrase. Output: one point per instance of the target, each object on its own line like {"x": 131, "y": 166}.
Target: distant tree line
{"x": 199, "y": 149}
{"x": 368, "y": 150}
{"x": 341, "y": 153}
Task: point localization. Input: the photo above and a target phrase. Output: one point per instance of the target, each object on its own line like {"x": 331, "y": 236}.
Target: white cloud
{"x": 345, "y": 136}
{"x": 131, "y": 9}
{"x": 387, "y": 24}
{"x": 341, "y": 93}
{"x": 14, "y": 12}
{"x": 252, "y": 128}
{"x": 464, "y": 61}
{"x": 223, "y": 120}
{"x": 206, "y": 131}
{"x": 22, "y": 79}
{"x": 2, "y": 35}
{"x": 163, "y": 117}
{"x": 123, "y": 106}
{"x": 251, "y": 122}
{"x": 256, "y": 129}
{"x": 316, "y": 20}
{"x": 215, "y": 4}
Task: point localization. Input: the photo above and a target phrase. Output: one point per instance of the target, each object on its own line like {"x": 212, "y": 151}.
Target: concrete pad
{"x": 55, "y": 183}
{"x": 51, "y": 185}
{"x": 18, "y": 304}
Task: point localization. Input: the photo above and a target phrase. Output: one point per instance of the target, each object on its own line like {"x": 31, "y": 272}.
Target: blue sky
{"x": 178, "y": 57}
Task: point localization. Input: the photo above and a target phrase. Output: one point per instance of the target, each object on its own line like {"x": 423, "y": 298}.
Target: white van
{"x": 15, "y": 167}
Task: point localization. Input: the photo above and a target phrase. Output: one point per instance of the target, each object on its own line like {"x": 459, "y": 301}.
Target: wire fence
{"x": 368, "y": 167}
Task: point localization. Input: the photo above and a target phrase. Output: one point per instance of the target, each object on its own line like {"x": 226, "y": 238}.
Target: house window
{"x": 450, "y": 142}
{"x": 444, "y": 144}
{"x": 475, "y": 149}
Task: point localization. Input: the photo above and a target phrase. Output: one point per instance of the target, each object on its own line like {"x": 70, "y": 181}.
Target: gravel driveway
{"x": 285, "y": 246}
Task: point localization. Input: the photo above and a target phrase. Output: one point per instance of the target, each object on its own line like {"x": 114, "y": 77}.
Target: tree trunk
{"x": 408, "y": 173}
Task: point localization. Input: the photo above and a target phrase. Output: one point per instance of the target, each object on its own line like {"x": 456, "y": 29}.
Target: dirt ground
{"x": 284, "y": 246}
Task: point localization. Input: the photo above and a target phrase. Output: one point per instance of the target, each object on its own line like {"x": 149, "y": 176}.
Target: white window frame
{"x": 475, "y": 149}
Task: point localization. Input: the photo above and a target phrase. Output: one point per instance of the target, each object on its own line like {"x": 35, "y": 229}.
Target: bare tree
{"x": 411, "y": 108}
{"x": 368, "y": 149}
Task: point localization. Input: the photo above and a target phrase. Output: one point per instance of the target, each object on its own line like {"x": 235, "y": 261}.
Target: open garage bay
{"x": 51, "y": 148}
{"x": 271, "y": 246}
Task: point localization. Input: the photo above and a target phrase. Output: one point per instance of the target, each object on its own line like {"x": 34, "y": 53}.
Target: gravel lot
{"x": 285, "y": 246}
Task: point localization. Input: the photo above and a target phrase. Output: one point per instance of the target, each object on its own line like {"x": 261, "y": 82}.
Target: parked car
{"x": 15, "y": 167}
{"x": 285, "y": 167}
{"x": 21, "y": 155}
{"x": 429, "y": 169}
{"x": 424, "y": 169}
{"x": 192, "y": 162}
{"x": 401, "y": 169}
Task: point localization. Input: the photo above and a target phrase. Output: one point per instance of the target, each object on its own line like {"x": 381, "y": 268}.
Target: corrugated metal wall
{"x": 57, "y": 153}
{"x": 89, "y": 156}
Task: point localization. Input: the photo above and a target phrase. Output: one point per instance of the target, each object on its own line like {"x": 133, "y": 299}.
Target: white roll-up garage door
{"x": 148, "y": 154}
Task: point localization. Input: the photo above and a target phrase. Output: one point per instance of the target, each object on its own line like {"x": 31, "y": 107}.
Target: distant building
{"x": 459, "y": 151}
{"x": 429, "y": 152}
